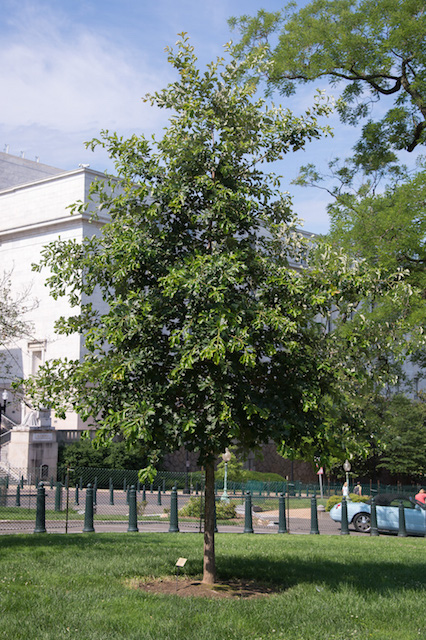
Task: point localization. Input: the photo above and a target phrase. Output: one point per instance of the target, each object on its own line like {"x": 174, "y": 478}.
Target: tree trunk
{"x": 209, "y": 568}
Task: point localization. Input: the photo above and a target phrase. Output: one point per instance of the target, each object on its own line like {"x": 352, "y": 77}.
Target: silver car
{"x": 387, "y": 510}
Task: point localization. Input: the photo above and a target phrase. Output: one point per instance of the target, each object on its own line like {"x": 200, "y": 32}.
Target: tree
{"x": 398, "y": 437}
{"x": 385, "y": 226}
{"x": 375, "y": 47}
{"x": 12, "y": 318}
{"x": 403, "y": 438}
{"x": 210, "y": 336}
{"x": 115, "y": 456}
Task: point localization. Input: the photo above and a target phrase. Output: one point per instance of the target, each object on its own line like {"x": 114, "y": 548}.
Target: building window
{"x": 37, "y": 351}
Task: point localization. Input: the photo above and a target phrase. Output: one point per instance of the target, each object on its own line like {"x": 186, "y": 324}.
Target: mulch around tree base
{"x": 186, "y": 588}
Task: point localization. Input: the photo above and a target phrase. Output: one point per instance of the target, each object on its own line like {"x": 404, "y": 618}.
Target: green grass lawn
{"x": 330, "y": 587}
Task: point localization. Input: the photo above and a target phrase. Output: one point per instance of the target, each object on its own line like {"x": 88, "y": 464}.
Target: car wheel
{"x": 362, "y": 522}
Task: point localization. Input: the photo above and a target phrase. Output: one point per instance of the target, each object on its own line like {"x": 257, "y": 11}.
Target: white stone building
{"x": 34, "y": 210}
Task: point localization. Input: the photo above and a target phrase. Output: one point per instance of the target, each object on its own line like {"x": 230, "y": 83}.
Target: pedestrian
{"x": 421, "y": 496}
{"x": 345, "y": 490}
{"x": 358, "y": 489}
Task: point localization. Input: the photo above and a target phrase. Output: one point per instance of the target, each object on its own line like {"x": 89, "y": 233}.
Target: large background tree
{"x": 374, "y": 51}
{"x": 375, "y": 48}
{"x": 210, "y": 335}
{"x": 383, "y": 224}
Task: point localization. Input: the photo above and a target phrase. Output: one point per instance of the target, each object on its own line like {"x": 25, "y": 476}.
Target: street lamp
{"x": 226, "y": 457}
{"x": 186, "y": 488}
{"x": 4, "y": 397}
{"x": 346, "y": 469}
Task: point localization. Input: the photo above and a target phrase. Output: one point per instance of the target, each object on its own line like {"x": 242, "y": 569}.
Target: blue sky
{"x": 70, "y": 68}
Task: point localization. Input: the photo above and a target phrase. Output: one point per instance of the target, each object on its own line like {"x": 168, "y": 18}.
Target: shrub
{"x": 225, "y": 511}
{"x": 141, "y": 507}
{"x": 194, "y": 508}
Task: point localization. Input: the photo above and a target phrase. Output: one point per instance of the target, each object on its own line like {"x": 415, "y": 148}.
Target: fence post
{"x": 22, "y": 482}
{"x": 373, "y": 519}
{"x": 143, "y": 494}
{"x": 402, "y": 531}
{"x": 314, "y": 517}
{"x": 58, "y": 497}
{"x": 111, "y": 491}
{"x": 282, "y": 524}
{"x": 76, "y": 495}
{"x": 40, "y": 523}
{"x": 95, "y": 491}
{"x": 127, "y": 494}
{"x": 88, "y": 512}
{"x": 133, "y": 517}
{"x": 344, "y": 529}
{"x": 164, "y": 485}
{"x": 174, "y": 525}
{"x": 124, "y": 485}
{"x": 248, "y": 520}
{"x": 18, "y": 496}
{"x": 159, "y": 496}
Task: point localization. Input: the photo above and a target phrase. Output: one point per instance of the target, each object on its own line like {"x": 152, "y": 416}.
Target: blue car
{"x": 387, "y": 509}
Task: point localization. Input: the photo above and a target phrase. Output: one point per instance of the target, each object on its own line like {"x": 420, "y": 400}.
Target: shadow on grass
{"x": 378, "y": 576}
{"x": 82, "y": 540}
{"x": 379, "y": 570}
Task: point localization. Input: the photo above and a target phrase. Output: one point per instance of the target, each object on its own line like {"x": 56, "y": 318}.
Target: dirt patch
{"x": 187, "y": 588}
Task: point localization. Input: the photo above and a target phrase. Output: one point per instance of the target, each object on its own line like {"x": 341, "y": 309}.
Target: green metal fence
{"x": 66, "y": 499}
{"x": 193, "y": 482}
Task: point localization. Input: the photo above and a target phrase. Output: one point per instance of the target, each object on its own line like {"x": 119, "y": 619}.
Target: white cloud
{"x": 72, "y": 78}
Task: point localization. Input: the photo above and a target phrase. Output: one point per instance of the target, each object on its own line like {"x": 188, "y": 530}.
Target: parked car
{"x": 387, "y": 510}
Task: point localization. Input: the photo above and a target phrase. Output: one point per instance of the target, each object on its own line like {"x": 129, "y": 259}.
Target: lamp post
{"x": 346, "y": 469}
{"x": 226, "y": 457}
{"x": 4, "y": 397}
{"x": 186, "y": 488}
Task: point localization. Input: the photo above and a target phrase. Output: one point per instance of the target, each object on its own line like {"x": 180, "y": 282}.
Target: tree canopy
{"x": 211, "y": 335}
{"x": 83, "y": 454}
{"x": 386, "y": 226}
{"x": 402, "y": 438}
{"x": 374, "y": 47}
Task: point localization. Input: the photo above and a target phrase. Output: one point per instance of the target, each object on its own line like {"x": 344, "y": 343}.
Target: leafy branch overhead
{"x": 374, "y": 47}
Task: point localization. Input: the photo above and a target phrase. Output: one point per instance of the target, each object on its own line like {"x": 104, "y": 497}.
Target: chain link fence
{"x": 67, "y": 493}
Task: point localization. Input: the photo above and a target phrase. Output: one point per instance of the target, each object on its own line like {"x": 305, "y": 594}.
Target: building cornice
{"x": 64, "y": 222}
{"x": 61, "y": 176}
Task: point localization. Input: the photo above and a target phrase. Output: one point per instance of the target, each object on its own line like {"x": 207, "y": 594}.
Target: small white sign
{"x": 320, "y": 471}
{"x": 42, "y": 437}
{"x": 181, "y": 562}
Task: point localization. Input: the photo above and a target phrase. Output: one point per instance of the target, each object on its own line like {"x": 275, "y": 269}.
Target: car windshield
{"x": 392, "y": 500}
